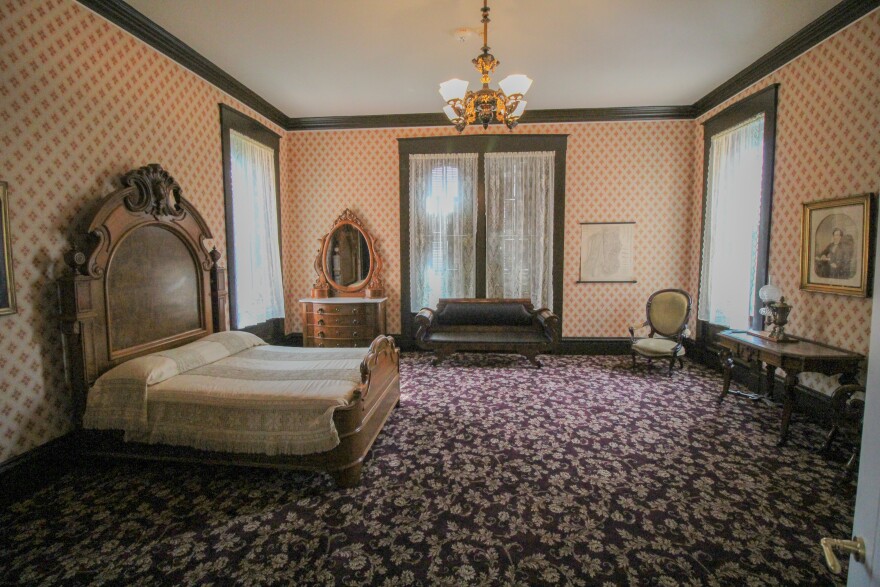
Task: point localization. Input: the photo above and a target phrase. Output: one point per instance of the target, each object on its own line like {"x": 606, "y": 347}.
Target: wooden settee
{"x": 494, "y": 325}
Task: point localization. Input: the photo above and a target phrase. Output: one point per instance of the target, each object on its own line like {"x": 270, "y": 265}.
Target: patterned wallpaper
{"x": 618, "y": 171}
{"x": 827, "y": 146}
{"x": 81, "y": 102}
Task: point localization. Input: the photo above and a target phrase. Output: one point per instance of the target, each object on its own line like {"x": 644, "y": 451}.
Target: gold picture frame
{"x": 836, "y": 249}
{"x": 7, "y": 283}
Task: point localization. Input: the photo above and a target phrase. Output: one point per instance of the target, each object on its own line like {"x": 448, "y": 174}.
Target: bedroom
{"x": 84, "y": 102}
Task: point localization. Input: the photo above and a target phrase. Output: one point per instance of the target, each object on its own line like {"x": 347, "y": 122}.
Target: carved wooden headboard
{"x": 146, "y": 282}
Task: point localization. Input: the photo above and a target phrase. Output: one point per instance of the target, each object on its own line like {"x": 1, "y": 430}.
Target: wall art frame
{"x": 607, "y": 252}
{"x": 837, "y": 245}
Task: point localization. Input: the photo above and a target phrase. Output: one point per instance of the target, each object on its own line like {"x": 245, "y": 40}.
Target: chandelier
{"x": 505, "y": 105}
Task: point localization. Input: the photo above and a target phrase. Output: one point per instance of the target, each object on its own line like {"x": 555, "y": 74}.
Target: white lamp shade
{"x": 515, "y": 84}
{"x": 453, "y": 89}
{"x": 518, "y": 111}
{"x": 449, "y": 112}
{"x": 769, "y": 293}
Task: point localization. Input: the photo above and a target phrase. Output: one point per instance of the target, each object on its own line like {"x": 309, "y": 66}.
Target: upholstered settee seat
{"x": 512, "y": 335}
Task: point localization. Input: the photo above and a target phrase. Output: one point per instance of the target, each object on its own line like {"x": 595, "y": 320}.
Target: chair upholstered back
{"x": 668, "y": 311}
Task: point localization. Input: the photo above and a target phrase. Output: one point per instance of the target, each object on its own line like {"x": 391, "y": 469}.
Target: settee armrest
{"x": 550, "y": 323}
{"x": 424, "y": 320}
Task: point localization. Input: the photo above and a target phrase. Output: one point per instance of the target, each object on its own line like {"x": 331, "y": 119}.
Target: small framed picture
{"x": 836, "y": 251}
{"x": 7, "y": 284}
{"x": 607, "y": 252}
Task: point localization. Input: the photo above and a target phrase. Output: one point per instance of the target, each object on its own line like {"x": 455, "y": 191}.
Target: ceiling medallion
{"x": 485, "y": 105}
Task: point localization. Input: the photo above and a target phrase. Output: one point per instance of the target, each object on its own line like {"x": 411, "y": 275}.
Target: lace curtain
{"x": 730, "y": 241}
{"x": 259, "y": 293}
{"x": 519, "y": 226}
{"x": 442, "y": 227}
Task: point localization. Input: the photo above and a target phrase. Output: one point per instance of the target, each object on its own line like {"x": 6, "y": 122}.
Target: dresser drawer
{"x": 319, "y": 332}
{"x": 367, "y": 319}
{"x": 338, "y": 343}
{"x": 342, "y": 309}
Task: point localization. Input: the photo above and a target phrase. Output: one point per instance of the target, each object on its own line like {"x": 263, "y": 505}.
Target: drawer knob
{"x": 320, "y": 310}
{"x": 338, "y": 309}
{"x": 354, "y": 321}
{"x": 354, "y": 333}
{"x": 321, "y": 322}
{"x": 321, "y": 334}
{"x": 320, "y": 344}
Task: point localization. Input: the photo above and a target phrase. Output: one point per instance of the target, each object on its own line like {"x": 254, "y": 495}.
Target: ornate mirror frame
{"x": 370, "y": 287}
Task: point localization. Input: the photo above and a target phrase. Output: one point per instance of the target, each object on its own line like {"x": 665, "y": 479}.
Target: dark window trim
{"x": 764, "y": 102}
{"x": 231, "y": 119}
{"x": 491, "y": 143}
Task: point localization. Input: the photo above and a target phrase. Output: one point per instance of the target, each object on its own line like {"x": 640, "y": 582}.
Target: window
{"x": 736, "y": 219}
{"x": 252, "y": 223}
{"x": 478, "y": 219}
{"x": 519, "y": 226}
{"x": 443, "y": 227}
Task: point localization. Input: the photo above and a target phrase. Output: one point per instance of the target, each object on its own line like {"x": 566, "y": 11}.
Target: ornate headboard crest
{"x": 157, "y": 192}
{"x": 149, "y": 196}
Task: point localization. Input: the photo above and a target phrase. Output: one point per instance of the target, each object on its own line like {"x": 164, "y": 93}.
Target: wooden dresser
{"x": 342, "y": 322}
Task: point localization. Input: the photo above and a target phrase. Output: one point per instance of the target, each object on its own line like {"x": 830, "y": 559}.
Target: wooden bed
{"x": 147, "y": 283}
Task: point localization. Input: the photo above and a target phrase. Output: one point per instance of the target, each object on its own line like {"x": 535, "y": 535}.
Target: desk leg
{"x": 727, "y": 367}
{"x": 769, "y": 382}
{"x": 791, "y": 380}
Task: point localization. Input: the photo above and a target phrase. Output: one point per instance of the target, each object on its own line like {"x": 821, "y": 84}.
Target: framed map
{"x": 607, "y": 252}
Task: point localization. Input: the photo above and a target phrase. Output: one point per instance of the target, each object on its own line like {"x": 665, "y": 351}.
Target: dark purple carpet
{"x": 489, "y": 473}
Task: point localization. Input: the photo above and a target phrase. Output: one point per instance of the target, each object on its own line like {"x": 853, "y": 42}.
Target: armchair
{"x": 667, "y": 311}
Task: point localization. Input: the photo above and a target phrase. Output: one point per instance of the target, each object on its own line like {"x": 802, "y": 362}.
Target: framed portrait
{"x": 7, "y": 284}
{"x": 607, "y": 252}
{"x": 836, "y": 251}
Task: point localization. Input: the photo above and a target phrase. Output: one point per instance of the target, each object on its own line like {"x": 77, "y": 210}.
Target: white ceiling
{"x": 356, "y": 57}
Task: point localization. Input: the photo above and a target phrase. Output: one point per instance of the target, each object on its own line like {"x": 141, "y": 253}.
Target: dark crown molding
{"x": 839, "y": 17}
{"x": 531, "y": 116}
{"x": 132, "y": 21}
{"x": 129, "y": 19}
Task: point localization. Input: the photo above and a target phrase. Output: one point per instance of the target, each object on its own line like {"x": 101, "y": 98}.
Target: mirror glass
{"x": 348, "y": 257}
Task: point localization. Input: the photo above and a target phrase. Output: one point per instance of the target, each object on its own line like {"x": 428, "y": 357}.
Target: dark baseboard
{"x": 23, "y": 475}
{"x": 291, "y": 339}
{"x": 588, "y": 345}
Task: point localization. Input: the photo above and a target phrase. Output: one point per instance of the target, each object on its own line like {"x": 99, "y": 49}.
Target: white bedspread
{"x": 241, "y": 396}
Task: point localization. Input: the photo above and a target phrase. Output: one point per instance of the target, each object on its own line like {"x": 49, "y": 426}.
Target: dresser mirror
{"x": 347, "y": 263}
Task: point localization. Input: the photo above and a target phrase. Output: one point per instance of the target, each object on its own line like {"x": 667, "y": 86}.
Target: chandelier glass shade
{"x": 486, "y": 105}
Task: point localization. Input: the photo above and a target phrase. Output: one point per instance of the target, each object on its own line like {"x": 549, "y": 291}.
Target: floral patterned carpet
{"x": 489, "y": 473}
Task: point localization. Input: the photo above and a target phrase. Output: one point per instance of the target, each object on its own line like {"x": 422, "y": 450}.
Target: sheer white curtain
{"x": 259, "y": 294}
{"x": 730, "y": 240}
{"x": 519, "y": 226}
{"x": 442, "y": 227}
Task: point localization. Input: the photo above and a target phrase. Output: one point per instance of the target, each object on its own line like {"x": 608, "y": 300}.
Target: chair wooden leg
{"x": 680, "y": 363}
{"x": 829, "y": 439}
{"x": 671, "y": 366}
{"x": 634, "y": 360}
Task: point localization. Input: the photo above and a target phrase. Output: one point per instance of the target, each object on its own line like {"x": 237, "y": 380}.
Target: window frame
{"x": 231, "y": 119}
{"x": 481, "y": 144}
{"x": 763, "y": 102}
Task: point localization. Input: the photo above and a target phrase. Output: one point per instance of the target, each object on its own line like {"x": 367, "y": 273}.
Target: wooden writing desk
{"x": 792, "y": 357}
